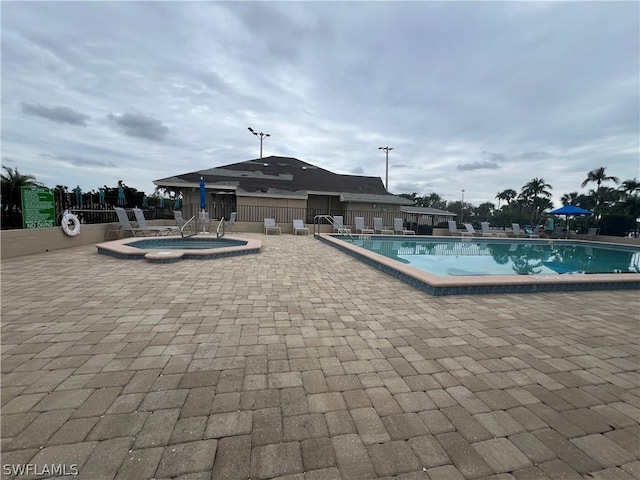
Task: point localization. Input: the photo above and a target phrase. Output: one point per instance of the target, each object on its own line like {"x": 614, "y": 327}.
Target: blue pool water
{"x": 486, "y": 257}
{"x": 189, "y": 243}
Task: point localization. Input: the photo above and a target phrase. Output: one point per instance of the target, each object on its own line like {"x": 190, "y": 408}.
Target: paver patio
{"x": 301, "y": 362}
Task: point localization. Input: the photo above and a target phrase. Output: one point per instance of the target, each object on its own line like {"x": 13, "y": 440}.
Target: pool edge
{"x": 438, "y": 286}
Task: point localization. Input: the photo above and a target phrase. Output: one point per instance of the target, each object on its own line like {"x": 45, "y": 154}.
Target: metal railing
{"x": 220, "y": 224}
{"x": 183, "y": 227}
{"x": 339, "y": 228}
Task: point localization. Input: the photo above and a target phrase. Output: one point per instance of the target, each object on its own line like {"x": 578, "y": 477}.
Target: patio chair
{"x": 398, "y": 227}
{"x": 205, "y": 221}
{"x": 360, "y": 228}
{"x": 231, "y": 223}
{"x": 338, "y": 225}
{"x": 453, "y": 229}
{"x": 142, "y": 223}
{"x": 486, "y": 229}
{"x": 125, "y": 226}
{"x": 378, "y": 227}
{"x": 517, "y": 231}
{"x": 298, "y": 226}
{"x": 177, "y": 215}
{"x": 530, "y": 232}
{"x": 270, "y": 225}
{"x": 470, "y": 230}
{"x": 591, "y": 233}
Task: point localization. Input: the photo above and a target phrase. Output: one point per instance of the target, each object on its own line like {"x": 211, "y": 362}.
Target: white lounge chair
{"x": 378, "y": 227}
{"x": 298, "y": 226}
{"x": 486, "y": 229}
{"x": 398, "y": 227}
{"x": 270, "y": 225}
{"x": 360, "y": 228}
{"x": 338, "y": 225}
{"x": 231, "y": 223}
{"x": 453, "y": 229}
{"x": 517, "y": 231}
{"x": 470, "y": 230}
{"x": 142, "y": 223}
{"x": 591, "y": 233}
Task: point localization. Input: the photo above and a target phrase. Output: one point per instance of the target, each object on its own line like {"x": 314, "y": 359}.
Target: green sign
{"x": 38, "y": 209}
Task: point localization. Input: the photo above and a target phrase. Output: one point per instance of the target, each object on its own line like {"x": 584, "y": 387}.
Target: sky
{"x": 475, "y": 96}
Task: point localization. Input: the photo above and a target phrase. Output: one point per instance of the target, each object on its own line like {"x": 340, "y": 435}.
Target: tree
{"x": 531, "y": 193}
{"x": 598, "y": 176}
{"x": 507, "y": 195}
{"x": 14, "y": 179}
{"x": 569, "y": 198}
{"x": 630, "y": 187}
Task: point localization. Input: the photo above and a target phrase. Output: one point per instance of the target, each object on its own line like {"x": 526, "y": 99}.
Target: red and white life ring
{"x": 70, "y": 224}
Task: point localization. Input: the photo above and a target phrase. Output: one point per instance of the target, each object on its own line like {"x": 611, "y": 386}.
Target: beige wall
{"x": 16, "y": 243}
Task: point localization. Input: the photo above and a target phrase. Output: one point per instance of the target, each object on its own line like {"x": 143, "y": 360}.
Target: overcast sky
{"x": 480, "y": 96}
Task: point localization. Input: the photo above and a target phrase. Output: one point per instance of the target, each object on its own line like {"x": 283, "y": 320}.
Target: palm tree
{"x": 532, "y": 191}
{"x": 598, "y": 176}
{"x": 14, "y": 179}
{"x": 630, "y": 187}
{"x": 507, "y": 195}
{"x": 569, "y": 198}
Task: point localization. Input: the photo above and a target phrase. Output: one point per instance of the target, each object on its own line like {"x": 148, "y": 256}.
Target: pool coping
{"x": 457, "y": 285}
{"x": 121, "y": 249}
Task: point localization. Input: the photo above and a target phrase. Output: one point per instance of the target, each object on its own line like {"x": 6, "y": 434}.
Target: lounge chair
{"x": 298, "y": 226}
{"x": 591, "y": 233}
{"x": 398, "y": 227}
{"x": 125, "y": 226}
{"x": 518, "y": 232}
{"x": 338, "y": 225}
{"x": 177, "y": 214}
{"x": 486, "y": 229}
{"x": 453, "y": 229}
{"x": 379, "y": 228}
{"x": 142, "y": 223}
{"x": 271, "y": 225}
{"x": 528, "y": 230}
{"x": 360, "y": 228}
{"x": 470, "y": 230}
{"x": 231, "y": 223}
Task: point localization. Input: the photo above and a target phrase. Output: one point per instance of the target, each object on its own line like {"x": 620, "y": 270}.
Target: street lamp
{"x": 462, "y": 209}
{"x": 261, "y": 135}
{"x": 386, "y": 151}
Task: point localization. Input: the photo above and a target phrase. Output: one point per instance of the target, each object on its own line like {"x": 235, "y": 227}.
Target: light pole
{"x": 261, "y": 135}
{"x": 462, "y": 209}
{"x": 386, "y": 151}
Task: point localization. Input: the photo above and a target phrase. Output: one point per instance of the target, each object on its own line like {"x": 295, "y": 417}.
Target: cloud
{"x": 486, "y": 165}
{"x": 57, "y": 114}
{"x": 358, "y": 171}
{"x": 533, "y": 155}
{"x": 79, "y": 161}
{"x": 495, "y": 157}
{"x": 138, "y": 125}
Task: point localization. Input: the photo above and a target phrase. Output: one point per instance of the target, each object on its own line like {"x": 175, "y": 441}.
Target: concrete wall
{"x": 16, "y": 243}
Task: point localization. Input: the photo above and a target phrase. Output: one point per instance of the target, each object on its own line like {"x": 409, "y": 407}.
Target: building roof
{"x": 285, "y": 175}
{"x": 426, "y": 211}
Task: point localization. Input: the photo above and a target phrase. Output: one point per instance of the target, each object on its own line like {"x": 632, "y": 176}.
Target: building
{"x": 284, "y": 188}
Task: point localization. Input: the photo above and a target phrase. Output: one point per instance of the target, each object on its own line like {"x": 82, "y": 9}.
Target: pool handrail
{"x": 182, "y": 228}
{"x": 220, "y": 224}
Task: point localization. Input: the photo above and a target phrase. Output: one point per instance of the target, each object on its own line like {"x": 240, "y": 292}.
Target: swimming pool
{"x": 172, "y": 249}
{"x": 443, "y": 266}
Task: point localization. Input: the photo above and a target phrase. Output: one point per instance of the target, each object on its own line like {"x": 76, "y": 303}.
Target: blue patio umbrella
{"x": 121, "y": 199}
{"x": 570, "y": 211}
{"x": 78, "y": 192}
{"x": 145, "y": 201}
{"x": 101, "y": 196}
{"x": 203, "y": 195}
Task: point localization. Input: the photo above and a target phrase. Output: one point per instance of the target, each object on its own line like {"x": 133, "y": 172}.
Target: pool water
{"x": 189, "y": 243}
{"x": 486, "y": 257}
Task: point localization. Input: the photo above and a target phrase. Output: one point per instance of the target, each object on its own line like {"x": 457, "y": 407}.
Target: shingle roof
{"x": 284, "y": 174}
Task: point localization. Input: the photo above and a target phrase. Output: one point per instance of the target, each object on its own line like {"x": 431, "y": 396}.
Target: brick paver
{"x": 303, "y": 363}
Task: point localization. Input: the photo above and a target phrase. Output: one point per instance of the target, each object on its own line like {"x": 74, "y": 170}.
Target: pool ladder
{"x": 341, "y": 230}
